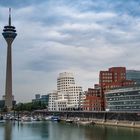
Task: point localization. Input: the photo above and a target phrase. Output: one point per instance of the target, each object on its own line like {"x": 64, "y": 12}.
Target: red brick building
{"x": 93, "y": 100}
{"x": 115, "y": 74}
{"x": 112, "y": 78}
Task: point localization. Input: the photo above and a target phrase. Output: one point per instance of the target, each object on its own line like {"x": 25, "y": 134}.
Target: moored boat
{"x": 48, "y": 118}
{"x": 1, "y": 119}
{"x": 26, "y": 119}
{"x": 69, "y": 121}
{"x": 85, "y": 123}
{"x": 55, "y": 118}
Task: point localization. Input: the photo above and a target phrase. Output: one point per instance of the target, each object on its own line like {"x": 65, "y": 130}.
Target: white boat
{"x": 26, "y": 119}
{"x": 48, "y": 118}
{"x": 37, "y": 118}
{"x": 69, "y": 121}
{"x": 85, "y": 122}
{"x": 1, "y": 119}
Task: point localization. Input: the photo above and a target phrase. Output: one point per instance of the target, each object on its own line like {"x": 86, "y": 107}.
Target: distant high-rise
{"x": 9, "y": 33}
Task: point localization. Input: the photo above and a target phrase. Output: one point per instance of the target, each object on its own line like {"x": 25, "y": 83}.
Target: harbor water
{"x": 62, "y": 131}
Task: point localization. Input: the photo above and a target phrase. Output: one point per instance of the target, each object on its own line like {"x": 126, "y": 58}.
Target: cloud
{"x": 82, "y": 37}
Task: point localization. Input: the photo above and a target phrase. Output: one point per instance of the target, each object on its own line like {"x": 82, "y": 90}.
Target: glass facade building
{"x": 123, "y": 99}
{"x": 133, "y": 75}
{"x": 44, "y": 99}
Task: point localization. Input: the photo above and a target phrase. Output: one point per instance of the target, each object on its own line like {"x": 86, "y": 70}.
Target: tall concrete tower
{"x": 9, "y": 33}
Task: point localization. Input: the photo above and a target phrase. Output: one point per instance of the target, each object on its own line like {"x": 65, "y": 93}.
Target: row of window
{"x": 61, "y": 106}
{"x": 124, "y": 98}
{"x": 106, "y": 81}
{"x": 129, "y": 93}
{"x": 129, "y": 108}
{"x": 124, "y": 103}
{"x": 92, "y": 109}
{"x": 107, "y": 73}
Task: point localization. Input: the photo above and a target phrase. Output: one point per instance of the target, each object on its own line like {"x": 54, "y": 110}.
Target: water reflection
{"x": 62, "y": 131}
{"x": 8, "y": 131}
{"x": 96, "y": 133}
{"x": 112, "y": 133}
{"x": 35, "y": 131}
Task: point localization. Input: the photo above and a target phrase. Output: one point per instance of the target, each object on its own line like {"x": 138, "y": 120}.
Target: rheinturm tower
{"x": 9, "y": 33}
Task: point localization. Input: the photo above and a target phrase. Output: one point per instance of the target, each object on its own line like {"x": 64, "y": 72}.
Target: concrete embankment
{"x": 130, "y": 124}
{"x": 84, "y": 121}
{"x": 118, "y": 123}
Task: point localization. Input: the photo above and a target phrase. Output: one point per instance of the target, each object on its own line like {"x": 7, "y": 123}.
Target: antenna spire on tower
{"x": 9, "y": 16}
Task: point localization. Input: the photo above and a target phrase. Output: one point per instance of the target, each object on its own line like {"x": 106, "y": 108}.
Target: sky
{"x": 78, "y": 36}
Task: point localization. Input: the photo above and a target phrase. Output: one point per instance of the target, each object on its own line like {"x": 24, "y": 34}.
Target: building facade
{"x": 43, "y": 99}
{"x": 65, "y": 80}
{"x": 113, "y": 78}
{"x": 123, "y": 99}
{"x": 115, "y": 74}
{"x": 61, "y": 104}
{"x": 75, "y": 97}
{"x": 93, "y": 101}
{"x": 69, "y": 96}
{"x": 52, "y": 98}
{"x": 133, "y": 75}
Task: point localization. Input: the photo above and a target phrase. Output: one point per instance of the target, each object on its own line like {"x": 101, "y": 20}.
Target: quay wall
{"x": 120, "y": 116}
{"x": 126, "y": 119}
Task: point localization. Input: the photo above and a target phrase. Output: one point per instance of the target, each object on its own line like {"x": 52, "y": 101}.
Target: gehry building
{"x": 69, "y": 95}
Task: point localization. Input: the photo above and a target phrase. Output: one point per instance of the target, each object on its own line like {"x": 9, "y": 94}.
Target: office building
{"x": 42, "y": 99}
{"x": 123, "y": 99}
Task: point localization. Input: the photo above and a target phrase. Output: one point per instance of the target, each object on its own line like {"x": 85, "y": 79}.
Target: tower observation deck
{"x": 9, "y": 33}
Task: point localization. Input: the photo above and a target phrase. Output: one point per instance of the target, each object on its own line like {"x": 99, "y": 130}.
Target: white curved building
{"x": 65, "y": 80}
{"x": 75, "y": 96}
{"x": 52, "y": 97}
{"x": 69, "y": 96}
